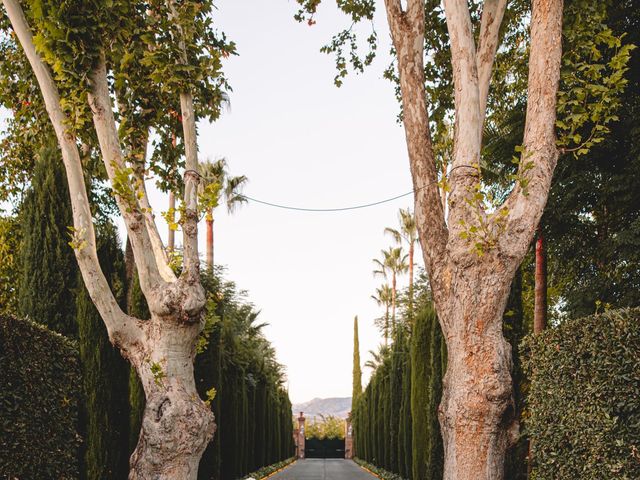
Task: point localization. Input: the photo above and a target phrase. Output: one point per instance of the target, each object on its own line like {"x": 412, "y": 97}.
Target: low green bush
{"x": 39, "y": 392}
{"x": 268, "y": 470}
{"x": 584, "y": 398}
{"x": 381, "y": 473}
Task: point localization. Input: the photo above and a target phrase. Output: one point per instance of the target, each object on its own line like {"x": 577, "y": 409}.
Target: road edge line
{"x": 366, "y": 469}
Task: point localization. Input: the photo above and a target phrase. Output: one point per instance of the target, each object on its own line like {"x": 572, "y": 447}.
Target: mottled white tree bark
{"x": 477, "y": 413}
{"x": 177, "y": 424}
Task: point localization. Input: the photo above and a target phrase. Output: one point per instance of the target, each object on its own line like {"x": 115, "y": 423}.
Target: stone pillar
{"x": 300, "y": 436}
{"x": 348, "y": 438}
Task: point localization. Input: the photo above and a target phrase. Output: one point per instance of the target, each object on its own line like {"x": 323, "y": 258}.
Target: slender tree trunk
{"x": 171, "y": 242}
{"x": 540, "y": 304}
{"x": 209, "y": 221}
{"x": 393, "y": 304}
{"x": 411, "y": 251}
{"x": 386, "y": 327}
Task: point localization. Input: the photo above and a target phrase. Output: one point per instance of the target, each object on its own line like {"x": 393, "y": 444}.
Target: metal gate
{"x": 324, "y": 448}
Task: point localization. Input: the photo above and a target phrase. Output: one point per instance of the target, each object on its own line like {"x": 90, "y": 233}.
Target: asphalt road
{"x": 323, "y": 469}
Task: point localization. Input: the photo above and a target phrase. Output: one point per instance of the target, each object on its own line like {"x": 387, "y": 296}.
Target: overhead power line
{"x": 352, "y": 207}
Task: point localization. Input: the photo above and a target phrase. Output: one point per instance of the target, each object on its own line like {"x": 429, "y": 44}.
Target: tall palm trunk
{"x": 386, "y": 327}
{"x": 209, "y": 220}
{"x": 393, "y": 305}
{"x": 411, "y": 250}
{"x": 171, "y": 242}
{"x": 540, "y": 305}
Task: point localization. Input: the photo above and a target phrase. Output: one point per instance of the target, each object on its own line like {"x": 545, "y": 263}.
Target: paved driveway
{"x": 327, "y": 469}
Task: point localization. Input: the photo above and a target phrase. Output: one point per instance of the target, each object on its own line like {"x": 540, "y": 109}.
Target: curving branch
{"x": 540, "y": 156}
{"x": 468, "y": 124}
{"x": 407, "y": 33}
{"x": 492, "y": 15}
{"x": 159, "y": 252}
{"x": 107, "y": 132}
{"x": 123, "y": 330}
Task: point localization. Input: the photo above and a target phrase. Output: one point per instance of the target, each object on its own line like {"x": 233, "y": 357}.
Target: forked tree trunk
{"x": 477, "y": 411}
{"x": 176, "y": 425}
{"x": 470, "y": 289}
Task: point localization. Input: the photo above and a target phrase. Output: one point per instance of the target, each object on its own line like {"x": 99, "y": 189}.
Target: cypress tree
{"x": 208, "y": 375}
{"x": 422, "y": 372}
{"x": 105, "y": 373}
{"x": 395, "y": 399}
{"x": 439, "y": 366}
{"x": 386, "y": 414}
{"x": 404, "y": 431}
{"x": 357, "y": 372}
{"x": 48, "y": 276}
{"x": 514, "y": 331}
{"x": 138, "y": 308}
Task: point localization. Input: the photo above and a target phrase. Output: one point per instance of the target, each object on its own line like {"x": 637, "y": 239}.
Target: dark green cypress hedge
{"x": 105, "y": 374}
{"x": 424, "y": 368}
{"x": 40, "y": 386}
{"x": 48, "y": 270}
{"x": 584, "y": 398}
{"x": 138, "y": 308}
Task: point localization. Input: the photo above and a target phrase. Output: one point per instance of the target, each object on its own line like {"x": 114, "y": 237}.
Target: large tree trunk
{"x": 176, "y": 426}
{"x": 470, "y": 289}
{"x": 477, "y": 413}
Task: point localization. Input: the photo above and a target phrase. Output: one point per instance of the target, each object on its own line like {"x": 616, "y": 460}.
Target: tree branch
{"x": 407, "y": 32}
{"x": 123, "y": 330}
{"x": 107, "y": 132}
{"x": 540, "y": 156}
{"x": 468, "y": 125}
{"x": 160, "y": 253}
{"x": 492, "y": 15}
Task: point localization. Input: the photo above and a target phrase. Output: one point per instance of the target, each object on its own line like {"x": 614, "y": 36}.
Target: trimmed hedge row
{"x": 269, "y": 470}
{"x": 40, "y": 384}
{"x": 584, "y": 398}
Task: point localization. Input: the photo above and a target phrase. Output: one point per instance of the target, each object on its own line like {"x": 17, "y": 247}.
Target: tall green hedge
{"x": 48, "y": 268}
{"x": 40, "y": 387}
{"x": 105, "y": 374}
{"x": 584, "y": 398}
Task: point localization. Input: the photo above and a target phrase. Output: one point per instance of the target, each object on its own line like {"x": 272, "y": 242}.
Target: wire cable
{"x": 353, "y": 207}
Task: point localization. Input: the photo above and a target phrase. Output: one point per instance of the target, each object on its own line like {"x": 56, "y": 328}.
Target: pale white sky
{"x": 304, "y": 142}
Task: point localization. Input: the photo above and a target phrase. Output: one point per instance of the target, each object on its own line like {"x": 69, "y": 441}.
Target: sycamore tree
{"x": 119, "y": 81}
{"x": 470, "y": 64}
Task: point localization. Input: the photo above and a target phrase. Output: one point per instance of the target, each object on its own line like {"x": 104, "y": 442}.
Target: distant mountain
{"x": 337, "y": 407}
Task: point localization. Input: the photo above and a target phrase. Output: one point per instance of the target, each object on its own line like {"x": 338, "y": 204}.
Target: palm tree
{"x": 393, "y": 263}
{"x": 230, "y": 188}
{"x": 408, "y": 232}
{"x": 377, "y": 357}
{"x": 383, "y": 298}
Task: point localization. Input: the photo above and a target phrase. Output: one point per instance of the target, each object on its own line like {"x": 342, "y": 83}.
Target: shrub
{"x": 379, "y": 472}
{"x": 39, "y": 391}
{"x": 584, "y": 398}
{"x": 269, "y": 470}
